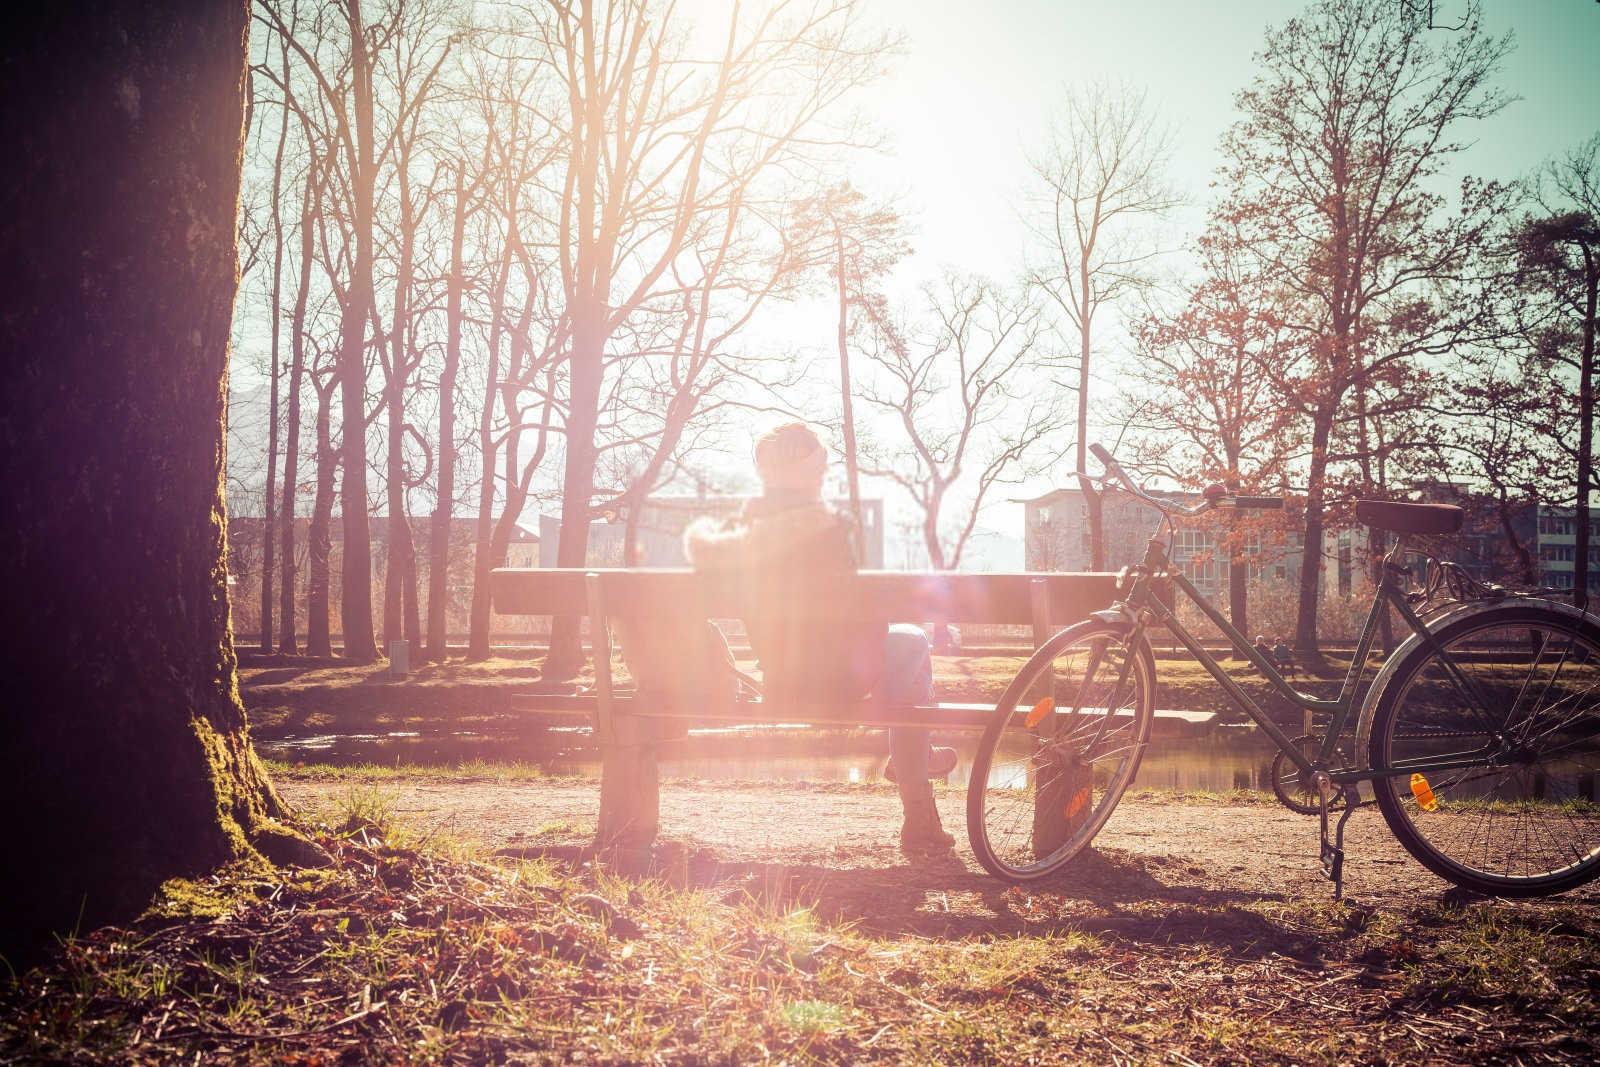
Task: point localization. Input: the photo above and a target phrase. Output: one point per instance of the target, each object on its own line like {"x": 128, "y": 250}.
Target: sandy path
{"x": 837, "y": 848}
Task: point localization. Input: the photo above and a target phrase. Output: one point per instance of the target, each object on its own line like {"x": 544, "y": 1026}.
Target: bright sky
{"x": 973, "y": 92}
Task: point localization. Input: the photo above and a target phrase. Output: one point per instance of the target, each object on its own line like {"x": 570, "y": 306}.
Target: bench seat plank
{"x": 948, "y": 716}
{"x": 889, "y": 595}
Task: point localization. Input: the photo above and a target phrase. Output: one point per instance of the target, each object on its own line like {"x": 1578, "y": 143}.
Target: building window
{"x": 1556, "y": 526}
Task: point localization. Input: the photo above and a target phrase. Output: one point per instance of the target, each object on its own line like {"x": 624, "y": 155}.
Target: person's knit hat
{"x": 790, "y": 456}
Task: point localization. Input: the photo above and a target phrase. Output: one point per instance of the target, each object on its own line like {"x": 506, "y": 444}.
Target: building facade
{"x": 1057, "y": 539}
{"x": 1555, "y": 547}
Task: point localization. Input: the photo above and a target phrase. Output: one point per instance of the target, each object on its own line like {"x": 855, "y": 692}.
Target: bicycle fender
{"x": 1117, "y": 614}
{"x": 1369, "y": 703}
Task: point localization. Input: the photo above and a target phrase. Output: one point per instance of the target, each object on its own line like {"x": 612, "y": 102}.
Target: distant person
{"x": 1265, "y": 650}
{"x": 1281, "y": 653}
{"x": 786, "y": 539}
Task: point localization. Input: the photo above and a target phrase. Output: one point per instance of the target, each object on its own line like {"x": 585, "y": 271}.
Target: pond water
{"x": 1218, "y": 759}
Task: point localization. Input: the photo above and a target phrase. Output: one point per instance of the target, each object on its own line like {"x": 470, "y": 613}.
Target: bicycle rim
{"x": 1523, "y": 686}
{"x": 1045, "y": 781}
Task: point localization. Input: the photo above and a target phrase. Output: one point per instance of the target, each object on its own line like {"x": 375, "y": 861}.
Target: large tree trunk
{"x": 129, "y": 760}
{"x": 1238, "y": 590}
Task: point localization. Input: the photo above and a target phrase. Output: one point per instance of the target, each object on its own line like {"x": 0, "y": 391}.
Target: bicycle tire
{"x": 1551, "y": 818}
{"x": 1076, "y": 737}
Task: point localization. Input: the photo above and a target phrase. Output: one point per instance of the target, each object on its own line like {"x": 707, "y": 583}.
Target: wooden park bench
{"x": 629, "y": 726}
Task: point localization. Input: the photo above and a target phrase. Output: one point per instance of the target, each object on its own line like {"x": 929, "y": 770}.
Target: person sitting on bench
{"x": 1283, "y": 657}
{"x": 785, "y": 540}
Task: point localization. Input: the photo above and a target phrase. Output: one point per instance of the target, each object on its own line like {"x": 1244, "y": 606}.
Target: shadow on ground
{"x": 1138, "y": 900}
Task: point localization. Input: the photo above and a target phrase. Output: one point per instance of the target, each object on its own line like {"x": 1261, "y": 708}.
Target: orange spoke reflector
{"x": 1040, "y": 710}
{"x": 1077, "y": 802}
{"x": 1424, "y": 793}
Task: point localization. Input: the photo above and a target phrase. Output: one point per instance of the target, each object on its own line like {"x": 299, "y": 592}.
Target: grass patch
{"x": 477, "y": 770}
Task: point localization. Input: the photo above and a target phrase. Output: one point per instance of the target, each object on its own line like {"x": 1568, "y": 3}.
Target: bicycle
{"x": 1481, "y": 731}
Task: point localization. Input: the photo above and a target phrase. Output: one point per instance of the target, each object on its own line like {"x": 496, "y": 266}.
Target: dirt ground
{"x": 835, "y": 847}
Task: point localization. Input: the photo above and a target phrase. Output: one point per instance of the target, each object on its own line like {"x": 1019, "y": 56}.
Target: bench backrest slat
{"x": 869, "y": 595}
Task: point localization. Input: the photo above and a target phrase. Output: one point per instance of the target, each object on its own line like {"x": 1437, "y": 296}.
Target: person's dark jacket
{"x": 793, "y": 550}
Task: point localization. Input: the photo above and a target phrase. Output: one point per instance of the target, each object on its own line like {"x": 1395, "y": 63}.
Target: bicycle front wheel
{"x": 1511, "y": 696}
{"x": 1064, "y": 744}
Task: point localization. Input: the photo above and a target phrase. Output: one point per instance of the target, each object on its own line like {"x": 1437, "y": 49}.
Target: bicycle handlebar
{"x": 1114, "y": 472}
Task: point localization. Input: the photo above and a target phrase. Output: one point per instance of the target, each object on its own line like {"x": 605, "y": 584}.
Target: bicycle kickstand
{"x": 1332, "y": 852}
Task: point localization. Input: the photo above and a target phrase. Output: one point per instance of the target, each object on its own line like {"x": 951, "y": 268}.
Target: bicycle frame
{"x": 1144, "y": 603}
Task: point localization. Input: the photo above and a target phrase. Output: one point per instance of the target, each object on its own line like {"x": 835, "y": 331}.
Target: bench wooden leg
{"x": 1063, "y": 797}
{"x": 630, "y": 799}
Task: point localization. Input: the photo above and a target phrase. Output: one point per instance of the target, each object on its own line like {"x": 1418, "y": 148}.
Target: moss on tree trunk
{"x": 130, "y": 756}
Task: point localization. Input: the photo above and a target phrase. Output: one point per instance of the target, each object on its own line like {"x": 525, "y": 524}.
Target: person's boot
{"x": 921, "y": 833}
{"x": 926, "y": 840}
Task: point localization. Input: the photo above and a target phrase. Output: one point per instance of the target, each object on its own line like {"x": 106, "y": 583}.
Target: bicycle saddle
{"x": 1410, "y": 518}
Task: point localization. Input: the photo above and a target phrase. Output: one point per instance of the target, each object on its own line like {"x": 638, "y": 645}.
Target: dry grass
{"x": 428, "y": 951}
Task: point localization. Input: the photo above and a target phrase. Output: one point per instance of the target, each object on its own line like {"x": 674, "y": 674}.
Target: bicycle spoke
{"x": 1533, "y": 666}
{"x": 1055, "y": 784}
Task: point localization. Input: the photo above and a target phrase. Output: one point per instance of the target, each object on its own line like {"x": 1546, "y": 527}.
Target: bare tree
{"x": 1102, "y": 182}
{"x": 1330, "y": 185}
{"x": 439, "y": 535}
{"x": 1205, "y": 411}
{"x": 683, "y": 370}
{"x": 523, "y": 348}
{"x": 1560, "y": 254}
{"x": 421, "y": 47}
{"x": 962, "y": 394}
{"x": 658, "y": 135}
{"x": 268, "y": 543}
{"x": 858, "y": 242}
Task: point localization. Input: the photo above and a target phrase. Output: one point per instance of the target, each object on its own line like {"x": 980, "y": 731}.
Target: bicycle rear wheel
{"x": 1516, "y": 698}
{"x": 1046, "y": 777}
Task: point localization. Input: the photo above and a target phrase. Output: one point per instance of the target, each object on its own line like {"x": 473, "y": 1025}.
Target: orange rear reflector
{"x": 1040, "y": 710}
{"x": 1424, "y": 793}
{"x": 1077, "y": 802}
